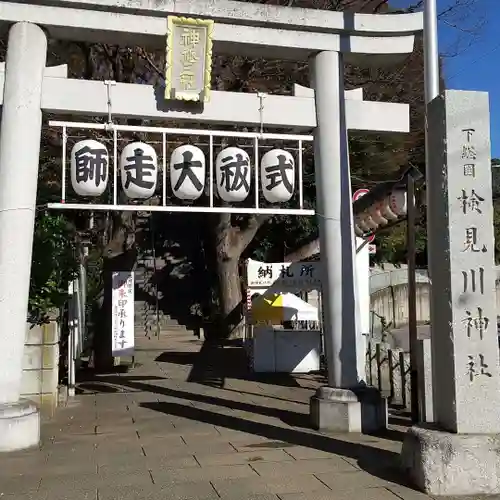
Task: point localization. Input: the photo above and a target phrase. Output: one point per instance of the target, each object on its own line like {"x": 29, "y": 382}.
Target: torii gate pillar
{"x": 345, "y": 405}
{"x": 20, "y": 134}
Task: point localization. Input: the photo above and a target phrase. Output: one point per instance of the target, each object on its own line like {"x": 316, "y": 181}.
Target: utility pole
{"x": 431, "y": 52}
{"x": 431, "y": 79}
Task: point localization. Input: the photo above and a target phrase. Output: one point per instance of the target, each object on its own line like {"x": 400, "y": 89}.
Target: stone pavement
{"x": 187, "y": 423}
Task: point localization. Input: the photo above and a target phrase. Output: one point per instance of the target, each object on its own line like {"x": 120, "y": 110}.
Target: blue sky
{"x": 476, "y": 65}
{"x": 469, "y": 39}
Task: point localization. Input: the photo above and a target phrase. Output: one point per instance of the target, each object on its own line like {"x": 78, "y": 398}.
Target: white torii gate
{"x": 325, "y": 38}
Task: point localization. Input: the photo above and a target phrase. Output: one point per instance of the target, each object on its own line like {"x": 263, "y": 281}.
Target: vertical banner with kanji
{"x": 466, "y": 368}
{"x": 123, "y": 313}
{"x": 188, "y": 59}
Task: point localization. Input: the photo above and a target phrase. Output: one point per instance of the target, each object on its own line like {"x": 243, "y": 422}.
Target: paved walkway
{"x": 186, "y": 424}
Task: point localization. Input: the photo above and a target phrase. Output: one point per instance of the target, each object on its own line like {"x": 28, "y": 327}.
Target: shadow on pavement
{"x": 127, "y": 383}
{"x": 268, "y": 396}
{"x": 217, "y": 361}
{"x": 377, "y": 462}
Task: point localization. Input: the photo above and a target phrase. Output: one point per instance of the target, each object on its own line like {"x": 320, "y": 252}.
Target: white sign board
{"x": 284, "y": 276}
{"x": 188, "y": 59}
{"x": 123, "y": 313}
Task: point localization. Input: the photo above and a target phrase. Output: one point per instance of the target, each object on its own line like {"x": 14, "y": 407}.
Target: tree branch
{"x": 304, "y": 252}
{"x": 247, "y": 234}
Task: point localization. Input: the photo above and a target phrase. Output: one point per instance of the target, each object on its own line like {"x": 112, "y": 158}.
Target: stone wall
{"x": 40, "y": 378}
{"x": 391, "y": 303}
{"x": 382, "y": 277}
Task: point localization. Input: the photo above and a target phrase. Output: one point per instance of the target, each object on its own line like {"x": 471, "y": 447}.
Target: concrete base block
{"x": 19, "y": 426}
{"x": 343, "y": 410}
{"x": 441, "y": 463}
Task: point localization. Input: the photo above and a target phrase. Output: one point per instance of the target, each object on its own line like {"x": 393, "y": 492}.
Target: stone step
{"x": 172, "y": 322}
{"x": 152, "y": 321}
{"x": 152, "y": 318}
{"x": 152, "y": 313}
{"x": 162, "y": 330}
{"x": 145, "y": 316}
{"x": 173, "y": 326}
{"x": 150, "y": 267}
{"x": 142, "y": 316}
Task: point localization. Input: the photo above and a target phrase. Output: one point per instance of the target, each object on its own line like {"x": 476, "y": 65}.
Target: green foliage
{"x": 374, "y": 158}
{"x": 495, "y": 177}
{"x": 280, "y": 236}
{"x": 392, "y": 247}
{"x": 495, "y": 181}
{"x": 54, "y": 265}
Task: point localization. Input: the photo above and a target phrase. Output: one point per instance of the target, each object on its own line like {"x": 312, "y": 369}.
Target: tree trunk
{"x": 231, "y": 307}
{"x": 227, "y": 257}
{"x": 304, "y": 252}
{"x": 230, "y": 242}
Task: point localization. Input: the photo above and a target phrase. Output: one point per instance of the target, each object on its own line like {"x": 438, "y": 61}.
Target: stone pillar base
{"x": 442, "y": 463}
{"x": 344, "y": 410}
{"x": 19, "y": 426}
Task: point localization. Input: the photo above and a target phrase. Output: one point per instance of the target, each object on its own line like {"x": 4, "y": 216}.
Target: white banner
{"x": 284, "y": 276}
{"x": 123, "y": 313}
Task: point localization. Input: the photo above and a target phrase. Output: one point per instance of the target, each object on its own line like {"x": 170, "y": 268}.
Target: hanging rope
{"x": 261, "y": 96}
{"x": 109, "y": 84}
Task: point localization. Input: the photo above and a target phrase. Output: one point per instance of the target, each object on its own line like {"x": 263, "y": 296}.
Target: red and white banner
{"x": 123, "y": 313}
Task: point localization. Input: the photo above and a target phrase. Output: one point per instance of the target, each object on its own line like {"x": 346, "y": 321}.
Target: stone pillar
{"x": 19, "y": 157}
{"x": 337, "y": 407}
{"x": 424, "y": 367}
{"x": 461, "y": 457}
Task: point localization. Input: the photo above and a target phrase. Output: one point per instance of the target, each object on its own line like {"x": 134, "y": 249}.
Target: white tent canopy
{"x": 285, "y": 307}
{"x": 298, "y": 309}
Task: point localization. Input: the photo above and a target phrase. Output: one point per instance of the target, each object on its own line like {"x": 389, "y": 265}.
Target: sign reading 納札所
{"x": 122, "y": 323}
{"x": 188, "y": 59}
{"x": 284, "y": 276}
